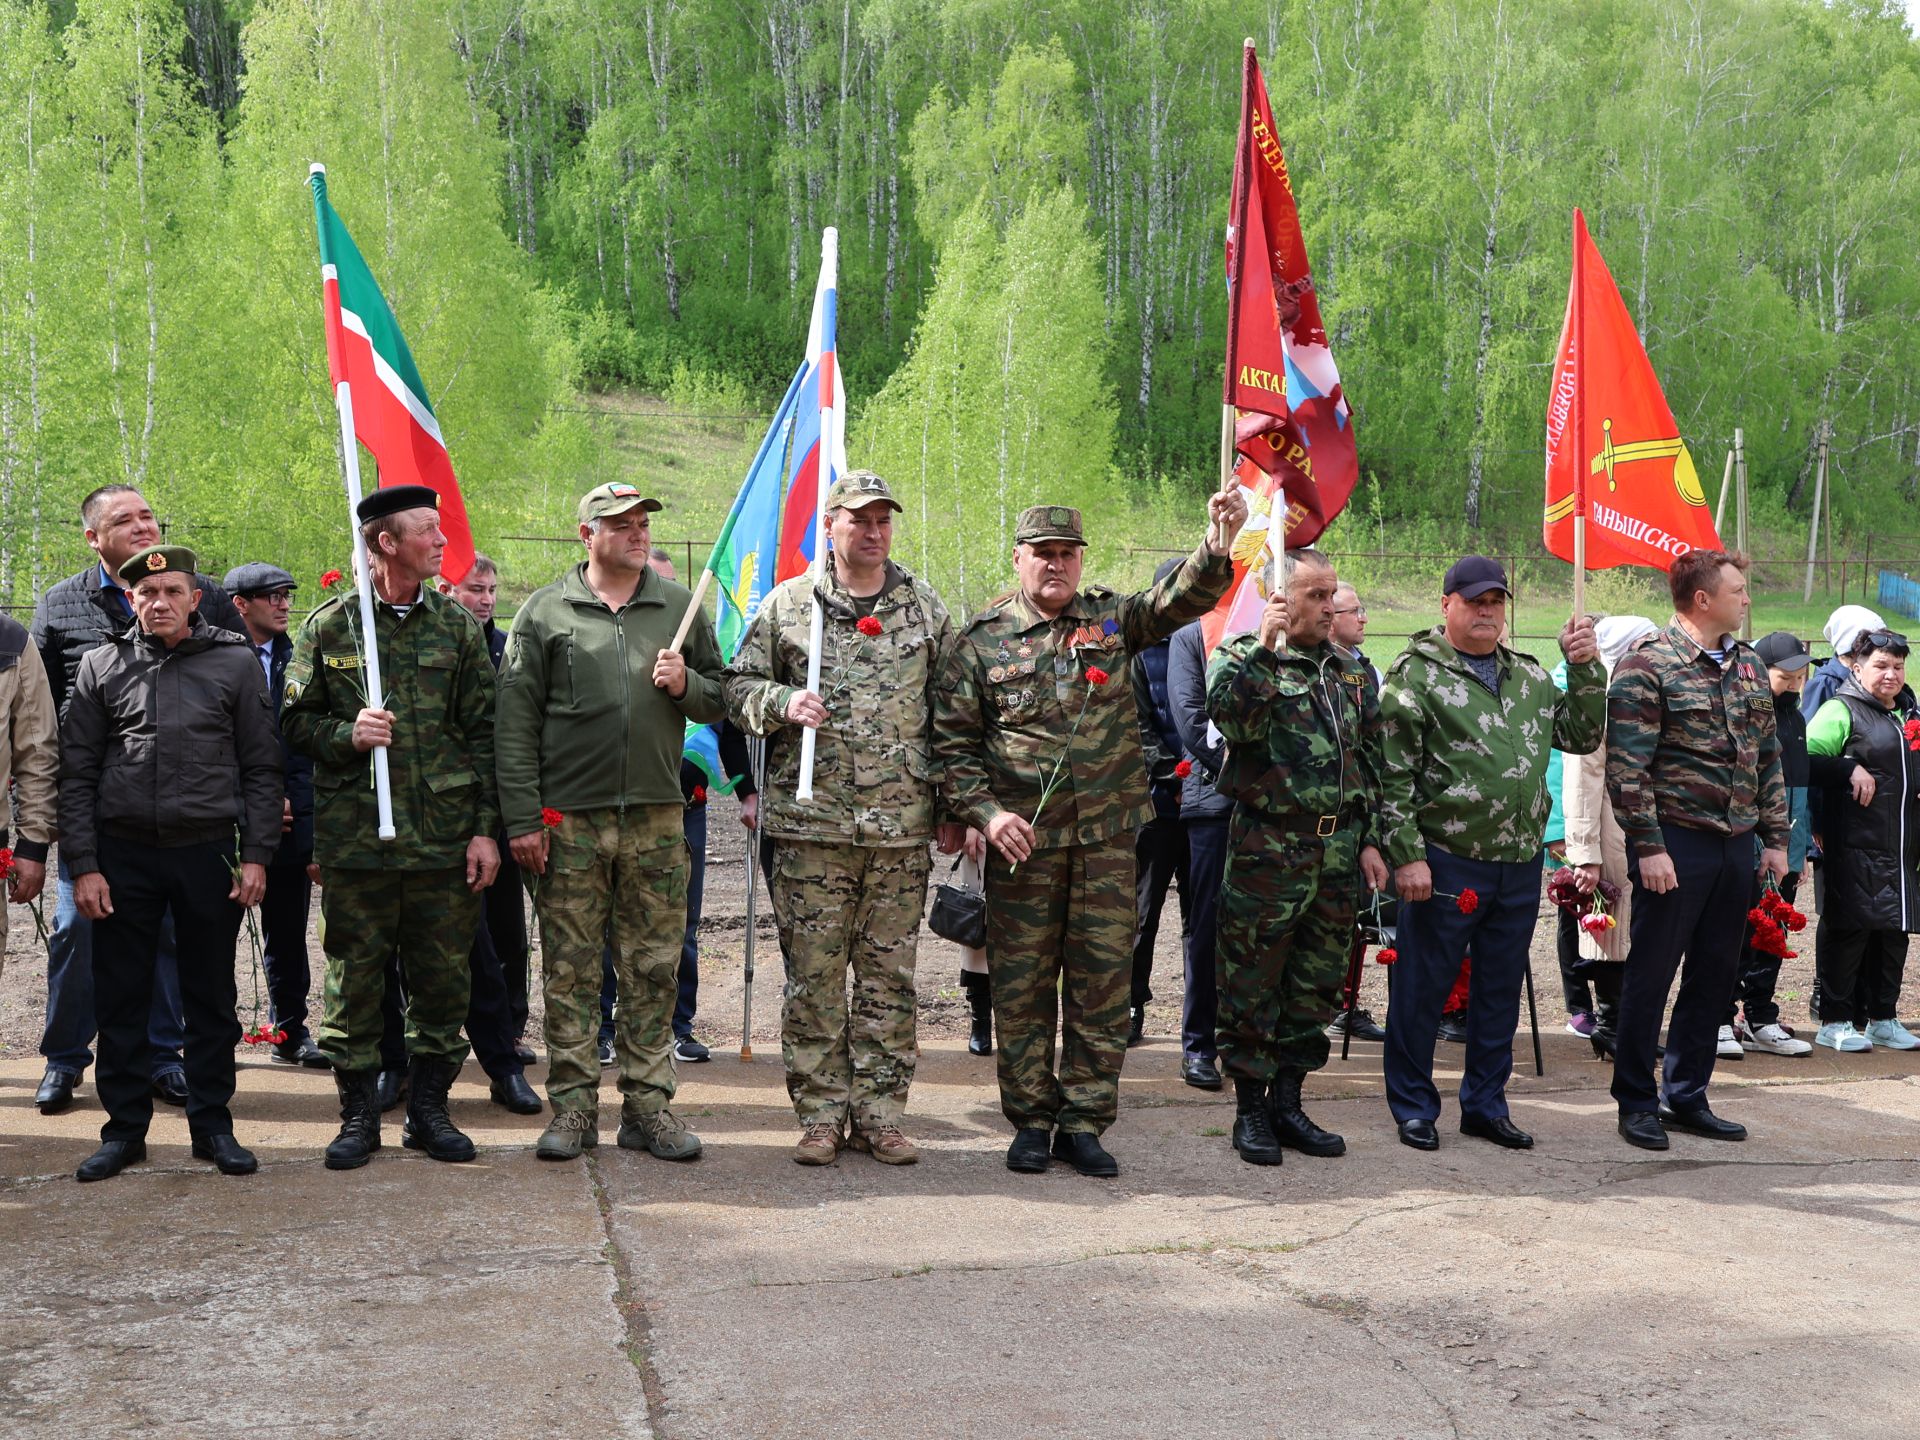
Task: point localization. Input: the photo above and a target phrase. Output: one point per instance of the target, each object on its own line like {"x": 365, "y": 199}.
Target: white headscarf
{"x": 1616, "y": 635}
{"x": 1847, "y": 624}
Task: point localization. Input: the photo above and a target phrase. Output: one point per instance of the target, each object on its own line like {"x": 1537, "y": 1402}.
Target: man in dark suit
{"x": 263, "y": 596}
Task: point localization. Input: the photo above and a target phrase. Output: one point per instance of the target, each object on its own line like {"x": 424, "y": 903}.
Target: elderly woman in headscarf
{"x": 1596, "y": 846}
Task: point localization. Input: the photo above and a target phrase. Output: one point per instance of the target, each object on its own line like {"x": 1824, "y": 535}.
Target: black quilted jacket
{"x": 73, "y": 617}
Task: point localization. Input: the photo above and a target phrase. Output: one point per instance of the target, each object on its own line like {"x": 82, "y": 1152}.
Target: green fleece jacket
{"x": 1466, "y": 769}
{"x": 580, "y": 723}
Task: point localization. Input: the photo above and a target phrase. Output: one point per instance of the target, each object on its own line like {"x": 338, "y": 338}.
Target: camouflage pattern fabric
{"x": 428, "y": 916}
{"x": 1016, "y": 684}
{"x": 874, "y": 774}
{"x": 440, "y": 685}
{"x": 1302, "y": 732}
{"x": 618, "y": 872}
{"x": 1693, "y": 743}
{"x": 1059, "y": 949}
{"x": 1467, "y": 769}
{"x": 846, "y": 908}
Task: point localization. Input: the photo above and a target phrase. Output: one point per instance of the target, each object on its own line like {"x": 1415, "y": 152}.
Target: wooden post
{"x": 1826, "y": 504}
{"x": 1740, "y": 512}
{"x": 1813, "y": 524}
{"x": 1720, "y": 510}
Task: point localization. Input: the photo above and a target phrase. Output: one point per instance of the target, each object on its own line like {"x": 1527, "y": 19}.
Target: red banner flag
{"x": 1614, "y": 452}
{"x": 1294, "y": 424}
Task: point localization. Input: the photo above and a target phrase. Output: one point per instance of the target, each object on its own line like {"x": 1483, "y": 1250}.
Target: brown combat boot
{"x": 885, "y": 1143}
{"x": 819, "y": 1145}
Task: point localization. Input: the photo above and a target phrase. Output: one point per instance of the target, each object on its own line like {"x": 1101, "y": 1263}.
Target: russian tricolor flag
{"x": 818, "y": 448}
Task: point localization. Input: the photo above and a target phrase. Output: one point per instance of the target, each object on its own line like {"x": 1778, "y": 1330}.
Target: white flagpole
{"x": 350, "y": 461}
{"x": 832, "y": 443}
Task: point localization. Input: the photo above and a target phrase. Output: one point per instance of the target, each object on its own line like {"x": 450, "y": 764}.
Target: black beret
{"x": 392, "y": 499}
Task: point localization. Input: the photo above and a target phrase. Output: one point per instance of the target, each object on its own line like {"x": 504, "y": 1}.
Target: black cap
{"x": 1782, "y": 651}
{"x": 392, "y": 499}
{"x": 258, "y": 578}
{"x": 1472, "y": 576}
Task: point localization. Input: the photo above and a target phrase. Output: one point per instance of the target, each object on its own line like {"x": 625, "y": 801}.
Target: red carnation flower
{"x": 551, "y": 818}
{"x": 1183, "y": 769}
{"x": 699, "y": 794}
{"x": 1468, "y": 902}
{"x": 868, "y": 625}
{"x": 1757, "y": 917}
{"x": 1795, "y": 921}
{"x": 1386, "y": 956}
{"x": 330, "y": 579}
{"x": 1912, "y": 731}
{"x": 1097, "y": 676}
{"x": 6, "y": 863}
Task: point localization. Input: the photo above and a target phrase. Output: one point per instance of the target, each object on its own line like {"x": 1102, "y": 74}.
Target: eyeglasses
{"x": 1891, "y": 641}
{"x": 272, "y": 597}
{"x": 1359, "y": 610}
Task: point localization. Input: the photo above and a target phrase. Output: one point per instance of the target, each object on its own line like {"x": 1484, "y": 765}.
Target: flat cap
{"x": 158, "y": 560}
{"x": 858, "y": 489}
{"x": 258, "y": 578}
{"x": 616, "y": 497}
{"x": 1048, "y": 522}
{"x": 392, "y": 499}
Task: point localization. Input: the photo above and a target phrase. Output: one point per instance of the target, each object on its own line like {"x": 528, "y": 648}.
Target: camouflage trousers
{"x": 1287, "y": 908}
{"x": 1059, "y": 946}
{"x": 844, "y": 908}
{"x": 614, "y": 878}
{"x": 366, "y": 916}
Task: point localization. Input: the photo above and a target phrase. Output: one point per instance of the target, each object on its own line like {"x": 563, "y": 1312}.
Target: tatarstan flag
{"x": 392, "y": 416}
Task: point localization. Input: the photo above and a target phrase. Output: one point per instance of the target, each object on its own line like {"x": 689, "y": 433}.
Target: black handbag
{"x": 959, "y": 914}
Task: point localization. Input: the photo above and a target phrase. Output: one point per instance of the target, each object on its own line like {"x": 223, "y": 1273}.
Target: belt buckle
{"x": 1326, "y": 825}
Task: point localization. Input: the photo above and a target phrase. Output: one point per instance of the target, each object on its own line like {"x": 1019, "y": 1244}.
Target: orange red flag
{"x": 1614, "y": 452}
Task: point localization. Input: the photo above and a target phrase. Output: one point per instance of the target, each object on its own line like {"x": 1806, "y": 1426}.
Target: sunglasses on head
{"x": 1892, "y": 641}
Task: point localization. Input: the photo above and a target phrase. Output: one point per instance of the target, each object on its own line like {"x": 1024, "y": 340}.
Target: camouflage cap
{"x": 858, "y": 489}
{"x": 616, "y": 497}
{"x": 158, "y": 560}
{"x": 1048, "y": 522}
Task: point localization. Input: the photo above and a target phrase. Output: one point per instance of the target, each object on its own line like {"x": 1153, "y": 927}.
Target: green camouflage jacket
{"x": 874, "y": 774}
{"x": 1015, "y": 683}
{"x": 439, "y": 686}
{"x": 1302, "y": 731}
{"x": 1466, "y": 770}
{"x": 1693, "y": 743}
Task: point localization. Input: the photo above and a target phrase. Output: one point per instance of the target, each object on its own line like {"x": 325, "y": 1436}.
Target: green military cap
{"x": 858, "y": 489}
{"x": 1048, "y": 522}
{"x": 158, "y": 560}
{"x": 616, "y": 497}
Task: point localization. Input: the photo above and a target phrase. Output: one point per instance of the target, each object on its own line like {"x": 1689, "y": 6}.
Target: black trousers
{"x": 145, "y": 882}
{"x": 1574, "y": 988}
{"x": 1207, "y": 869}
{"x": 1857, "y": 962}
{"x": 1160, "y": 860}
{"x": 1704, "y": 920}
{"x": 283, "y": 926}
{"x": 1880, "y": 971}
{"x": 499, "y": 948}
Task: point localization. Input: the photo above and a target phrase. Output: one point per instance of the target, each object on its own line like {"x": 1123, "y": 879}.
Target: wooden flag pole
{"x": 1813, "y": 530}
{"x": 693, "y": 609}
{"x": 1578, "y": 421}
{"x": 1726, "y": 487}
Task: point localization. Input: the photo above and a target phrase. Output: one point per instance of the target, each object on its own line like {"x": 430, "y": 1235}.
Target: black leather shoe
{"x": 1084, "y": 1153}
{"x": 1453, "y": 1029}
{"x": 1701, "y": 1121}
{"x": 1028, "y": 1153}
{"x": 302, "y": 1052}
{"x": 171, "y": 1086}
{"x": 1501, "y": 1132}
{"x": 227, "y": 1154}
{"x": 523, "y": 1052}
{"x": 511, "y": 1092}
{"x": 391, "y": 1089}
{"x": 56, "y": 1090}
{"x": 1137, "y": 1028}
{"x": 1420, "y": 1134}
{"x": 110, "y": 1159}
{"x": 1641, "y": 1128}
{"x": 1201, "y": 1072}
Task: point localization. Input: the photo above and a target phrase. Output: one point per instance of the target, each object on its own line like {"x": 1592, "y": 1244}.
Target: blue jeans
{"x": 1434, "y": 937}
{"x": 69, "y": 1031}
{"x": 695, "y": 826}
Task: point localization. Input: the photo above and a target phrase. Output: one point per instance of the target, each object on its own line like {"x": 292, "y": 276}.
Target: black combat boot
{"x": 1291, "y": 1126}
{"x": 980, "y": 996}
{"x": 359, "y": 1133}
{"x": 1252, "y": 1128}
{"x": 428, "y": 1126}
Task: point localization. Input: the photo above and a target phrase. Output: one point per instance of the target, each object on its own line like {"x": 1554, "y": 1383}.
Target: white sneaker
{"x": 1774, "y": 1040}
{"x": 1729, "y": 1047}
{"x": 1840, "y": 1035}
{"x": 1893, "y": 1035}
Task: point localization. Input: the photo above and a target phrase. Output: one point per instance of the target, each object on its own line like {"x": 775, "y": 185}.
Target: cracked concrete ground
{"x": 1580, "y": 1289}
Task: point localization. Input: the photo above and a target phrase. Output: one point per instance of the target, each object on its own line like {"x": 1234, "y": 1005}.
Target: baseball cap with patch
{"x": 158, "y": 560}
{"x": 858, "y": 489}
{"x": 1039, "y": 523}
{"x": 1472, "y": 576}
{"x": 616, "y": 497}
{"x": 1782, "y": 651}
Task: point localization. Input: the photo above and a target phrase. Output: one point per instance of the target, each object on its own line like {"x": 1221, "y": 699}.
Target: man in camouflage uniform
{"x": 1301, "y": 719}
{"x": 1466, "y": 727}
{"x": 1693, "y": 770}
{"x": 418, "y": 893}
{"x": 849, "y": 877}
{"x": 1037, "y": 729}
{"x": 594, "y": 705}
